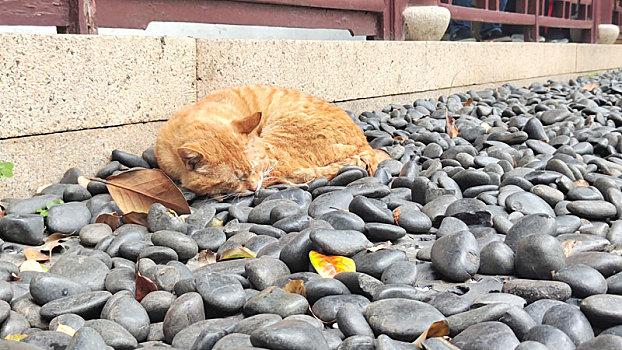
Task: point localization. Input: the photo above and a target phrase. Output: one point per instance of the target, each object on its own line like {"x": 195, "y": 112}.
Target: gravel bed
{"x": 509, "y": 232}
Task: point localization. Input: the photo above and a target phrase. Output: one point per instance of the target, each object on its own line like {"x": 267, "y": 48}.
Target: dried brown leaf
{"x": 396, "y": 215}
{"x": 296, "y": 287}
{"x": 450, "y": 126}
{"x": 380, "y": 246}
{"x": 206, "y": 257}
{"x": 113, "y": 220}
{"x": 144, "y": 286}
{"x": 135, "y": 218}
{"x": 237, "y": 252}
{"x": 581, "y": 183}
{"x": 468, "y": 102}
{"x": 590, "y": 86}
{"x": 137, "y": 190}
{"x": 83, "y": 181}
{"x": 568, "y": 246}
{"x": 437, "y": 329}
{"x": 33, "y": 254}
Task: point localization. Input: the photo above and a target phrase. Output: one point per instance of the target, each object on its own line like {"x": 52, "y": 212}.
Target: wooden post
{"x": 81, "y": 18}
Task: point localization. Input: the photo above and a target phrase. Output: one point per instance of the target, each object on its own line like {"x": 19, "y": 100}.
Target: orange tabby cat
{"x": 240, "y": 139}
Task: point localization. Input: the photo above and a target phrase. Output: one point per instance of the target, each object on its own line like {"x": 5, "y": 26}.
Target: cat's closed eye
{"x": 240, "y": 175}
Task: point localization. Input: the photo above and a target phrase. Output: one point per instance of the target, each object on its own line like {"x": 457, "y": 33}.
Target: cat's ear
{"x": 191, "y": 156}
{"x": 247, "y": 124}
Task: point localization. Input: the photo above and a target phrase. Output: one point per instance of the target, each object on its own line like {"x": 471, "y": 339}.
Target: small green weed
{"x": 6, "y": 169}
{"x": 49, "y": 205}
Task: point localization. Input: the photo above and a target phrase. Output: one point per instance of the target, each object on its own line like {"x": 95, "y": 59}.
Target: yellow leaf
{"x": 215, "y": 222}
{"x": 237, "y": 252}
{"x": 15, "y": 337}
{"x": 436, "y": 329}
{"x": 65, "y": 329}
{"x": 329, "y": 266}
{"x": 296, "y": 287}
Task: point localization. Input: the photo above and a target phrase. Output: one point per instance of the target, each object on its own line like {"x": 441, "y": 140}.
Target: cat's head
{"x": 217, "y": 163}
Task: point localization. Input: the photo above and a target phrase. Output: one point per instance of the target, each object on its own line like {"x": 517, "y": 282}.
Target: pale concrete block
{"x": 597, "y": 57}
{"x": 425, "y": 23}
{"x": 54, "y": 83}
{"x": 41, "y": 160}
{"x": 608, "y": 33}
{"x": 340, "y": 71}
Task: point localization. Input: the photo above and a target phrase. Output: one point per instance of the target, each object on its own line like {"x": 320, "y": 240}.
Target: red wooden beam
{"x": 355, "y": 5}
{"x": 139, "y": 13}
{"x": 34, "y": 12}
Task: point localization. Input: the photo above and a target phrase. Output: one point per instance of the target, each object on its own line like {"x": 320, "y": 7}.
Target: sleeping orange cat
{"x": 241, "y": 139}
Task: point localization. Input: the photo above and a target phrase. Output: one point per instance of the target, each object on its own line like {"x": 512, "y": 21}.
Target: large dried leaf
{"x": 135, "y": 218}
{"x": 137, "y": 190}
{"x": 328, "y": 266}
{"x": 296, "y": 287}
{"x": 206, "y": 257}
{"x": 590, "y": 86}
{"x": 450, "y": 125}
{"x": 236, "y": 253}
{"x": 437, "y": 329}
{"x": 144, "y": 286}
{"x": 113, "y": 220}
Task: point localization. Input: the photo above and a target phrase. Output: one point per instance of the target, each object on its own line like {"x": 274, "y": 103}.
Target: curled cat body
{"x": 240, "y": 139}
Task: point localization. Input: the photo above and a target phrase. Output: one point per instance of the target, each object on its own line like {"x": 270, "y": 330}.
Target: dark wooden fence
{"x": 376, "y": 19}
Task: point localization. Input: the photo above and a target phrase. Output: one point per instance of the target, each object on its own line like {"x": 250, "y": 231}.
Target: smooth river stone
{"x": 374, "y": 263}
{"x": 456, "y": 256}
{"x": 351, "y": 321}
{"x": 276, "y": 301}
{"x": 436, "y": 209}
{"x": 265, "y": 271}
{"x": 186, "y": 310}
{"x": 339, "y": 242}
{"x": 183, "y": 245}
{"x": 533, "y": 290}
{"x": 87, "y": 305}
{"x": 413, "y": 221}
{"x": 22, "y": 228}
{"x": 85, "y": 270}
{"x": 113, "y": 334}
{"x": 603, "y": 310}
{"x": 130, "y": 314}
{"x": 538, "y": 255}
{"x": 344, "y": 220}
{"x": 606, "y": 263}
{"x": 370, "y": 210}
{"x": 571, "y": 321}
{"x": 289, "y": 334}
{"x": 46, "y": 287}
{"x": 528, "y": 225}
{"x": 550, "y": 336}
{"x": 256, "y": 322}
{"x": 592, "y": 209}
{"x": 189, "y": 335}
{"x": 401, "y": 319}
{"x": 489, "y": 335}
{"x": 528, "y": 203}
{"x": 221, "y": 292}
{"x": 326, "y": 308}
{"x": 400, "y": 272}
{"x": 337, "y": 200}
{"x": 321, "y": 287}
{"x": 519, "y": 320}
{"x": 584, "y": 280}
{"x": 68, "y": 217}
{"x": 496, "y": 258}
{"x": 86, "y": 338}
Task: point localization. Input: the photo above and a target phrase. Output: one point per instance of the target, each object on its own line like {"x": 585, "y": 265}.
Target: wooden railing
{"x": 376, "y": 19}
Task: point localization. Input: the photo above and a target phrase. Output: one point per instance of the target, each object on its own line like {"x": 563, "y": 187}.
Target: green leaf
{"x": 6, "y": 169}
{"x": 43, "y": 212}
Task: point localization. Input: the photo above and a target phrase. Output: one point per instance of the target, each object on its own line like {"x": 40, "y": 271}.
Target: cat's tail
{"x": 372, "y": 158}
